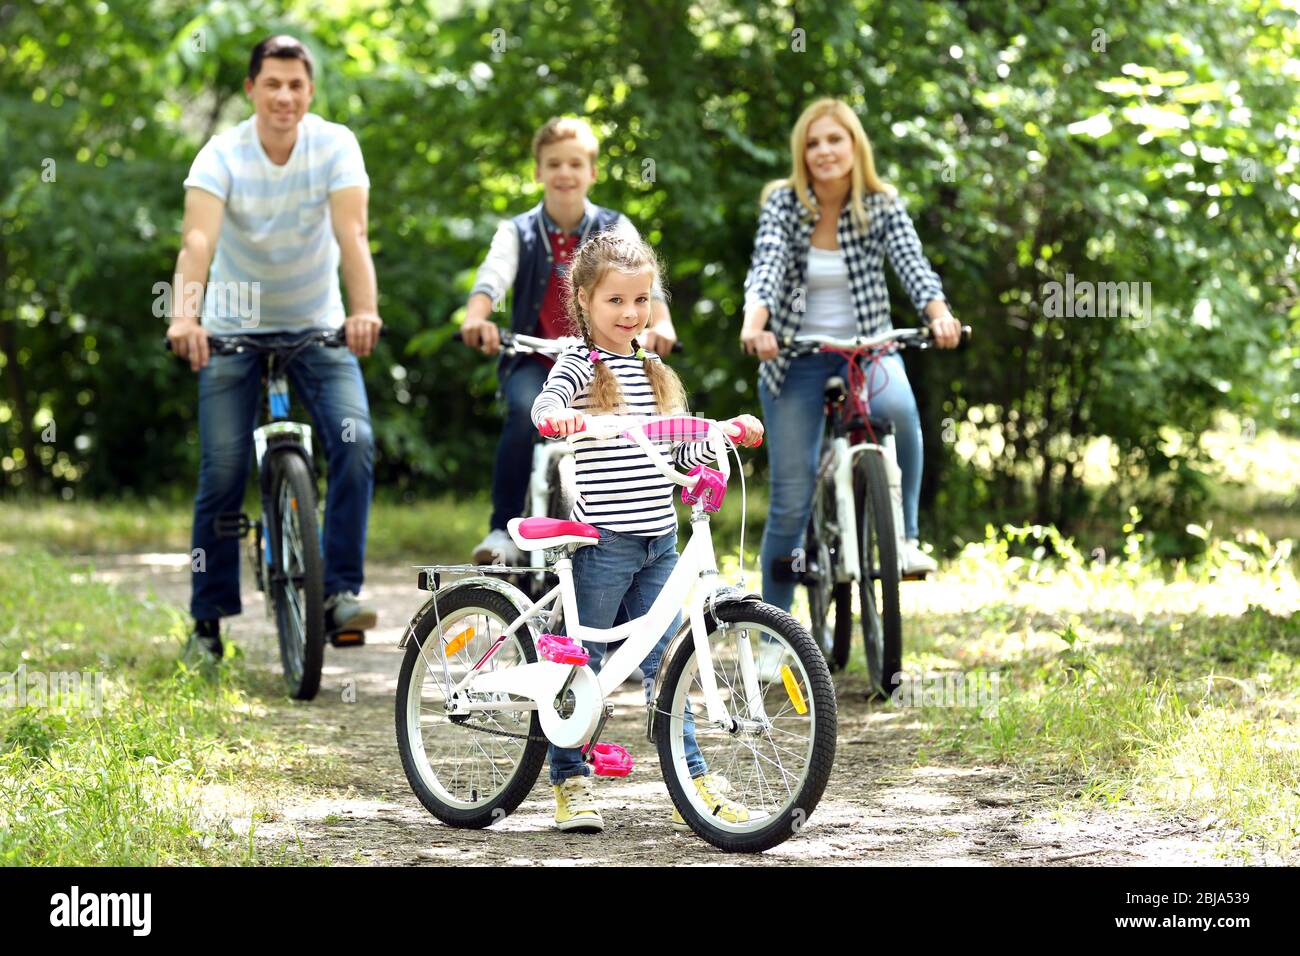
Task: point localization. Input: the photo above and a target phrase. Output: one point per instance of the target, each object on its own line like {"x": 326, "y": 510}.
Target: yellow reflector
{"x": 459, "y": 641}
{"x": 792, "y": 689}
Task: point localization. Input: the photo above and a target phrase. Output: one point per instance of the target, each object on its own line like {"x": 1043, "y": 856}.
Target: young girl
{"x": 619, "y": 491}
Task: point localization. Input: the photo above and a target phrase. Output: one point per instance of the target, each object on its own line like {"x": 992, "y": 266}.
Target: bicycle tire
{"x": 882, "y": 623}
{"x": 434, "y": 793}
{"x": 817, "y": 751}
{"x": 830, "y": 603}
{"x": 302, "y": 643}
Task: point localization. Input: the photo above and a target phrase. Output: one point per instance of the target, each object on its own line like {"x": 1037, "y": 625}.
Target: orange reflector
{"x": 293, "y": 503}
{"x": 792, "y": 690}
{"x": 459, "y": 641}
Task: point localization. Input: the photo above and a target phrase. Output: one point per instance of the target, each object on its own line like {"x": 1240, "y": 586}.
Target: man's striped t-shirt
{"x": 276, "y": 229}
{"x": 618, "y": 488}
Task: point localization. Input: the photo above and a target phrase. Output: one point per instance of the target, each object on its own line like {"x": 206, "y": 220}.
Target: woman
{"x": 818, "y": 268}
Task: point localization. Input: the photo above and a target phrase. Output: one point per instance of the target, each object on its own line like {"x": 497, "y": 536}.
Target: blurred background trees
{"x": 1110, "y": 142}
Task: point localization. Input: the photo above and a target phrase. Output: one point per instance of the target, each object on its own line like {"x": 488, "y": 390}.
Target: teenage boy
{"x": 529, "y": 255}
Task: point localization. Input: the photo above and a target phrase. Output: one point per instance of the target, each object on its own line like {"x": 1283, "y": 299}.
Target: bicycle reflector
{"x": 792, "y": 690}
{"x": 459, "y": 641}
{"x": 710, "y": 487}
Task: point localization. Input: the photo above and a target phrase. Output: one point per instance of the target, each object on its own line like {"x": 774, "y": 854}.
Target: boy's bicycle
{"x": 486, "y": 681}
{"x": 855, "y": 530}
{"x": 286, "y": 553}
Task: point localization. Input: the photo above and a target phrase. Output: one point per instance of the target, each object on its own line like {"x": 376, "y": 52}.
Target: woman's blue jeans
{"x": 795, "y": 423}
{"x": 624, "y": 571}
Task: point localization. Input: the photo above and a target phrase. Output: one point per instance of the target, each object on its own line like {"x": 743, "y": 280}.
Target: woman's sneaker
{"x": 343, "y": 612}
{"x": 916, "y": 561}
{"x": 575, "y": 806}
{"x": 713, "y": 789}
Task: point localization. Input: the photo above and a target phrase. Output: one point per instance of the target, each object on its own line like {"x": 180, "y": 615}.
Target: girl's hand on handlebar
{"x": 759, "y": 342}
{"x": 564, "y": 423}
{"x": 745, "y": 429}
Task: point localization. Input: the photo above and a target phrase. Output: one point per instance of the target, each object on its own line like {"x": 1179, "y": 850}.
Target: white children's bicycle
{"x": 486, "y": 681}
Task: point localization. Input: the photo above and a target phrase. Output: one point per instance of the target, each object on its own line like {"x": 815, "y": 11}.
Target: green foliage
{"x": 1028, "y": 144}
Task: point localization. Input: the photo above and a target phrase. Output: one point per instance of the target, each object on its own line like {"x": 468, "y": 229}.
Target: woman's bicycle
{"x": 486, "y": 680}
{"x": 286, "y": 554}
{"x": 855, "y": 529}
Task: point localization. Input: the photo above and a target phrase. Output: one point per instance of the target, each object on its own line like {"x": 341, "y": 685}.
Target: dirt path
{"x": 882, "y": 806}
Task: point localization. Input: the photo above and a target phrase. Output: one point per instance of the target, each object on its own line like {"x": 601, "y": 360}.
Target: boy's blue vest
{"x": 535, "y": 266}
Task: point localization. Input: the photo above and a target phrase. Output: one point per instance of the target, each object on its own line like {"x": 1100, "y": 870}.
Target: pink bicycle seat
{"x": 536, "y": 528}
{"x": 561, "y": 650}
{"x": 610, "y": 760}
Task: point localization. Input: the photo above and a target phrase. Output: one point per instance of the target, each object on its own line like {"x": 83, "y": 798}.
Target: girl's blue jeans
{"x": 624, "y": 571}
{"x": 795, "y": 423}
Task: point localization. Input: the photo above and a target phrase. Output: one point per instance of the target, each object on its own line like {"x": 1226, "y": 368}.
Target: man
{"x": 272, "y": 208}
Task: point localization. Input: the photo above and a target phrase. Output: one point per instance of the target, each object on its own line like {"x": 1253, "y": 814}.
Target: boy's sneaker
{"x": 713, "y": 788}
{"x": 916, "y": 561}
{"x": 575, "y": 806}
{"x": 498, "y": 548}
{"x": 343, "y": 612}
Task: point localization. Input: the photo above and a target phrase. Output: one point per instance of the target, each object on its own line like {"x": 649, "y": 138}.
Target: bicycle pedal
{"x": 348, "y": 638}
{"x": 914, "y": 576}
{"x": 561, "y": 650}
{"x": 609, "y": 760}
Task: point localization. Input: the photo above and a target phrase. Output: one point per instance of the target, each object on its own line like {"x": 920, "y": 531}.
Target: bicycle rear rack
{"x": 434, "y": 572}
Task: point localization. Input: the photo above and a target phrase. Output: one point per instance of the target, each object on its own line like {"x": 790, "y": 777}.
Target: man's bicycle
{"x": 286, "y": 551}
{"x": 486, "y": 681}
{"x": 855, "y": 531}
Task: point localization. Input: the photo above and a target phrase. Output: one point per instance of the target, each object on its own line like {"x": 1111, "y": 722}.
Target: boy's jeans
{"x": 328, "y": 382}
{"x": 627, "y": 571}
{"x": 513, "y": 464}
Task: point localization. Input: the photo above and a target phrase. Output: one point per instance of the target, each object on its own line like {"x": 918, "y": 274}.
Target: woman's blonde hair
{"x": 618, "y": 248}
{"x": 864, "y": 177}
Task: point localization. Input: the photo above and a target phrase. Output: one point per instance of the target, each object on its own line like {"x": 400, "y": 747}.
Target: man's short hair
{"x": 563, "y": 127}
{"x": 282, "y": 47}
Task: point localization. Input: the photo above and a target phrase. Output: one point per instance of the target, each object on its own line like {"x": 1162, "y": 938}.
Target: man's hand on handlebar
{"x": 744, "y": 430}
{"x": 361, "y": 332}
{"x": 189, "y": 340}
{"x": 482, "y": 335}
{"x": 564, "y": 423}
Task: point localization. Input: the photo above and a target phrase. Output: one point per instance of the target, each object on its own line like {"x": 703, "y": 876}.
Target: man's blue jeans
{"x": 795, "y": 421}
{"x": 624, "y": 571}
{"x": 328, "y": 382}
{"x": 514, "y": 461}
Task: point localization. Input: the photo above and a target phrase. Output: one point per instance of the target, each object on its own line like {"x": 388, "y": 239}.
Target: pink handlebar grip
{"x": 547, "y": 430}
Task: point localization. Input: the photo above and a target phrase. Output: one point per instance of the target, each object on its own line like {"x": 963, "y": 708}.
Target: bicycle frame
{"x": 693, "y": 584}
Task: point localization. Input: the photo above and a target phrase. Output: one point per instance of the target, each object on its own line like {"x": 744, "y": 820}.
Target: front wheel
{"x": 882, "y": 619}
{"x": 774, "y": 757}
{"x": 296, "y": 574}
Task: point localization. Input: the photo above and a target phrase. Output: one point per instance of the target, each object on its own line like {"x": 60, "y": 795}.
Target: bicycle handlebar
{"x": 513, "y": 343}
{"x": 236, "y": 344}
{"x": 644, "y": 430}
{"x": 894, "y": 339}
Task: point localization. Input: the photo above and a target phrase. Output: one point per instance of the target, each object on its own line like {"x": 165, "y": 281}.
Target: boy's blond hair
{"x": 559, "y": 128}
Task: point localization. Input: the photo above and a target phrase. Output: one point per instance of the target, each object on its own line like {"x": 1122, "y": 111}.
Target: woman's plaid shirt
{"x": 776, "y": 273}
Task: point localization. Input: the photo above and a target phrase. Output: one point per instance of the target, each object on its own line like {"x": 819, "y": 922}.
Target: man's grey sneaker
{"x": 498, "y": 548}
{"x": 916, "y": 561}
{"x": 344, "y": 612}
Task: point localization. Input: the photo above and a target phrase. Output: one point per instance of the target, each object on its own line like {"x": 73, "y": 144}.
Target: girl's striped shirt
{"x": 618, "y": 488}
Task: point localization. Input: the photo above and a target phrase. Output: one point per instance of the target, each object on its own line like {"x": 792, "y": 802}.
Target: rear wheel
{"x": 882, "y": 623}
{"x": 468, "y": 770}
{"x": 296, "y": 574}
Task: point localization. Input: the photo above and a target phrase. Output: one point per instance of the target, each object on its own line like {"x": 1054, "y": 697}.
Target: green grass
{"x": 1131, "y": 683}
{"x": 435, "y": 530}
{"x": 139, "y": 782}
